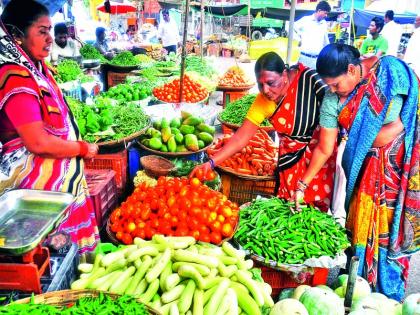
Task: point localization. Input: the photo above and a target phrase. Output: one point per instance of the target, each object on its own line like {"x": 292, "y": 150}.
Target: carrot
{"x": 255, "y": 156}
{"x": 259, "y": 171}
{"x": 254, "y": 143}
{"x": 259, "y": 151}
{"x": 245, "y": 171}
{"x": 267, "y": 167}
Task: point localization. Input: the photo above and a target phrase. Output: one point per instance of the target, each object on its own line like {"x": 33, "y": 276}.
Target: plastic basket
{"x": 279, "y": 280}
{"x": 103, "y": 193}
{"x": 112, "y": 161}
{"x": 67, "y": 270}
{"x": 240, "y": 190}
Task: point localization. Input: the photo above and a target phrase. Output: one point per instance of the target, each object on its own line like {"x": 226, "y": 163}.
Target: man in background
{"x": 412, "y": 53}
{"x": 377, "y": 45}
{"x": 312, "y": 32}
{"x": 392, "y": 32}
{"x": 63, "y": 46}
{"x": 101, "y": 43}
{"x": 168, "y": 32}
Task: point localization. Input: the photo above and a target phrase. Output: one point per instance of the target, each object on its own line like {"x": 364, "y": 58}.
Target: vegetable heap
{"x": 103, "y": 304}
{"x": 234, "y": 77}
{"x": 184, "y": 134}
{"x": 144, "y": 60}
{"x": 175, "y": 206}
{"x": 267, "y": 228}
{"x": 142, "y": 177}
{"x": 193, "y": 92}
{"x": 200, "y": 65}
{"x": 175, "y": 275}
{"x": 258, "y": 158}
{"x": 128, "y": 92}
{"x": 124, "y": 59}
{"x": 103, "y": 121}
{"x": 68, "y": 70}
{"x": 88, "y": 51}
{"x": 235, "y": 112}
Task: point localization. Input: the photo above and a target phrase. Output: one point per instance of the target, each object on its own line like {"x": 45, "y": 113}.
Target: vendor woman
{"x": 40, "y": 144}
{"x": 290, "y": 98}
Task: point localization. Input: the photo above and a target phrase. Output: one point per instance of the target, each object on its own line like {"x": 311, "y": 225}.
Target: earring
{"x": 19, "y": 42}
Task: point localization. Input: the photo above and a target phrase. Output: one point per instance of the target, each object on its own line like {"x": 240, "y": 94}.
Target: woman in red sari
{"x": 375, "y": 105}
{"x": 290, "y": 98}
{"x": 40, "y": 145}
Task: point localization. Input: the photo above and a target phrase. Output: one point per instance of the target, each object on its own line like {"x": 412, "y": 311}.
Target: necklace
{"x": 361, "y": 71}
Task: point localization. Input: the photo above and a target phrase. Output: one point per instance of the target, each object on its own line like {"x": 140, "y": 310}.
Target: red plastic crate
{"x": 103, "y": 193}
{"x": 279, "y": 280}
{"x": 111, "y": 161}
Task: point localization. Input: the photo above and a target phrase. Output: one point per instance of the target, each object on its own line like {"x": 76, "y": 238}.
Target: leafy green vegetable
{"x": 68, "y": 70}
{"x": 88, "y": 51}
{"x": 124, "y": 58}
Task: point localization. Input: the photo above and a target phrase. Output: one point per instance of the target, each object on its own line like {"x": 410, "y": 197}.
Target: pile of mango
{"x": 180, "y": 134}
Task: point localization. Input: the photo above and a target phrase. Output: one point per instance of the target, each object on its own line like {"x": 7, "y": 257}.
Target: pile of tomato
{"x": 175, "y": 207}
{"x": 193, "y": 92}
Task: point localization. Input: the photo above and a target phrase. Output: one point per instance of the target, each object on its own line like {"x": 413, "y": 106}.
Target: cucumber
{"x": 167, "y": 271}
{"x": 150, "y": 292}
{"x": 138, "y": 276}
{"x": 245, "y": 301}
{"x": 107, "y": 284}
{"x": 186, "y": 298}
{"x": 215, "y": 299}
{"x": 186, "y": 271}
{"x": 187, "y": 256}
{"x": 203, "y": 270}
{"x": 157, "y": 269}
{"x": 171, "y": 281}
{"x": 251, "y": 285}
{"x": 198, "y": 302}
{"x": 120, "y": 285}
{"x": 173, "y": 294}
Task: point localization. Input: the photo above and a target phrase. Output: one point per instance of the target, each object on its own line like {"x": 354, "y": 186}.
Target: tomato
{"x": 226, "y": 211}
{"x": 204, "y": 216}
{"x": 115, "y": 216}
{"x": 167, "y": 216}
{"x": 184, "y": 191}
{"x": 130, "y": 227}
{"x": 200, "y": 174}
{"x": 205, "y": 238}
{"x": 195, "y": 182}
{"x": 154, "y": 204}
{"x": 174, "y": 221}
{"x": 140, "y": 233}
{"x": 145, "y": 212}
{"x": 171, "y": 201}
{"x": 196, "y": 201}
{"x": 185, "y": 204}
{"x": 220, "y": 218}
{"x": 154, "y": 223}
{"x": 216, "y": 238}
{"x": 195, "y": 234}
{"x": 182, "y": 216}
{"x": 119, "y": 235}
{"x": 216, "y": 226}
{"x": 115, "y": 227}
{"x": 203, "y": 229}
{"x": 211, "y": 203}
{"x": 127, "y": 239}
{"x": 212, "y": 216}
{"x": 164, "y": 227}
{"x": 174, "y": 210}
{"x": 161, "y": 181}
{"x": 182, "y": 232}
{"x": 227, "y": 230}
{"x": 194, "y": 224}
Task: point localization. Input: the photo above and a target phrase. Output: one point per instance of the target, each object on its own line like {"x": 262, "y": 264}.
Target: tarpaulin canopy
{"x": 169, "y": 4}
{"x": 362, "y": 18}
{"x": 53, "y": 6}
{"x": 284, "y": 14}
{"x": 220, "y": 9}
{"x": 116, "y": 7}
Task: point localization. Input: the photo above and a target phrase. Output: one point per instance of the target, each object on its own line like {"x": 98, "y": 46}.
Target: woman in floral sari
{"x": 375, "y": 103}
{"x": 290, "y": 98}
{"x": 41, "y": 147}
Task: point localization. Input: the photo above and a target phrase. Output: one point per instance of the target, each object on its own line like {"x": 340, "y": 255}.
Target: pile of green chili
{"x": 101, "y": 305}
{"x": 269, "y": 229}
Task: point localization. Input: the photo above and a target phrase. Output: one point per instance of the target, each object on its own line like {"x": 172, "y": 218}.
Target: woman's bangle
{"x": 83, "y": 148}
{"x": 301, "y": 185}
{"x": 212, "y": 165}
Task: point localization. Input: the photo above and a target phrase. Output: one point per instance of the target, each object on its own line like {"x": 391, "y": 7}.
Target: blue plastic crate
{"x": 66, "y": 272}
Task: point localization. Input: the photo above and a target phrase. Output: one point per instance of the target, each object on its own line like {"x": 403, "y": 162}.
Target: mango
{"x": 157, "y": 124}
{"x": 179, "y": 138}
{"x": 185, "y": 129}
{"x": 175, "y": 130}
{"x": 201, "y": 144}
{"x": 156, "y": 134}
{"x": 206, "y": 128}
{"x": 164, "y": 148}
{"x": 166, "y": 134}
{"x": 164, "y": 123}
{"x": 191, "y": 142}
{"x": 155, "y": 143}
{"x": 181, "y": 148}
{"x": 175, "y": 122}
{"x": 172, "y": 144}
{"x": 192, "y": 121}
{"x": 206, "y": 137}
{"x": 185, "y": 115}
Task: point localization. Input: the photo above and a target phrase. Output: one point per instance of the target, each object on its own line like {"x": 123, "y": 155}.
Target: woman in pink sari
{"x": 40, "y": 142}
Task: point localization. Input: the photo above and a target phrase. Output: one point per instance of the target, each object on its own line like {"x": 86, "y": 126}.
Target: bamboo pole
{"x": 201, "y": 27}
{"x": 291, "y": 31}
{"x": 184, "y": 50}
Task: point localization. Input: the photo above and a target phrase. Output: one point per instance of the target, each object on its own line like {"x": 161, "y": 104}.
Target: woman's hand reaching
{"x": 92, "y": 151}
{"x": 299, "y": 195}
{"x": 205, "y": 169}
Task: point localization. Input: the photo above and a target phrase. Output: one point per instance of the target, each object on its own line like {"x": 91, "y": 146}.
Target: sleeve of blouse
{"x": 23, "y": 108}
{"x": 329, "y": 111}
{"x": 260, "y": 109}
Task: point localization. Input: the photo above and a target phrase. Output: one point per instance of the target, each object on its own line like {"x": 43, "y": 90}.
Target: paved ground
{"x": 223, "y": 64}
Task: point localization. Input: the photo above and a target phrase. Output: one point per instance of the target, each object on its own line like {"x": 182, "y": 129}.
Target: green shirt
{"x": 372, "y": 46}
{"x": 330, "y": 109}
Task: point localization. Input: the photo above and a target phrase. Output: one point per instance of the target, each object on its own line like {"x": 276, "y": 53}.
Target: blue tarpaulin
{"x": 53, "y": 6}
{"x": 362, "y": 18}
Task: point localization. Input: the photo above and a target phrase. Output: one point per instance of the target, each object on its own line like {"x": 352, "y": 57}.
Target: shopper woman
{"x": 41, "y": 147}
{"x": 290, "y": 98}
{"x": 375, "y": 103}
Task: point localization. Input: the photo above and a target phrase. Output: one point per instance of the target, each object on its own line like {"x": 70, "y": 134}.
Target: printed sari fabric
{"x": 296, "y": 121}
{"x": 20, "y": 168}
{"x": 382, "y": 195}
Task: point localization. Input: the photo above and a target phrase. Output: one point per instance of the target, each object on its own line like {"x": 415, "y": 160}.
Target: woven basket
{"x": 156, "y": 166}
{"x": 229, "y": 170}
{"x": 111, "y": 235}
{"x": 69, "y": 297}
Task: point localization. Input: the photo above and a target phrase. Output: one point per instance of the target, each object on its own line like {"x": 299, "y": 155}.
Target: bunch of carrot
{"x": 258, "y": 158}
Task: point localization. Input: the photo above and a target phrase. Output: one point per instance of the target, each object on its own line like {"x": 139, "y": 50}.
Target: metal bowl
{"x": 91, "y": 63}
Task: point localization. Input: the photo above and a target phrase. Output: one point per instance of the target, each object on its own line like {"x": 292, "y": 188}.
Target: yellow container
{"x": 277, "y": 45}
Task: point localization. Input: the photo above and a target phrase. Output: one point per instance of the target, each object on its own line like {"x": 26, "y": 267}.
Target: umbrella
{"x": 116, "y": 7}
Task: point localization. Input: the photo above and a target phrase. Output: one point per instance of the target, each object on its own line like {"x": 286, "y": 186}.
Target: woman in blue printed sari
{"x": 374, "y": 104}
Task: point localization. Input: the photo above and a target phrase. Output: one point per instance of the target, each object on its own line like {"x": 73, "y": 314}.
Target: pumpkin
{"x": 361, "y": 288}
{"x": 288, "y": 307}
{"x": 320, "y": 302}
{"x": 299, "y": 291}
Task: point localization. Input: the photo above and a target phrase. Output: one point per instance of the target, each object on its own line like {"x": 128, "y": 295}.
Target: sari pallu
{"x": 296, "y": 121}
{"x": 21, "y": 169}
{"x": 382, "y": 194}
